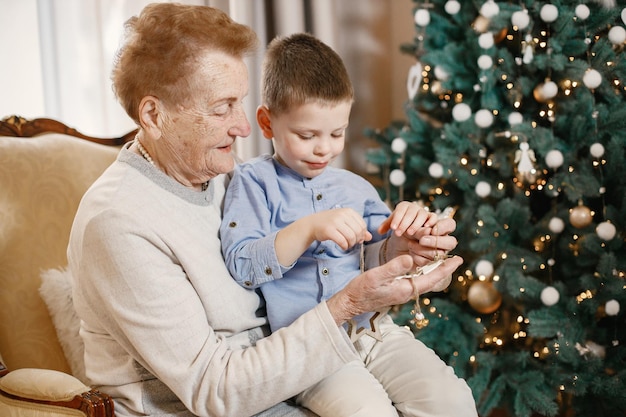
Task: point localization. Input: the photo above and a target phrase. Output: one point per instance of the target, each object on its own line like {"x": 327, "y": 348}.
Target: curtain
{"x": 58, "y": 57}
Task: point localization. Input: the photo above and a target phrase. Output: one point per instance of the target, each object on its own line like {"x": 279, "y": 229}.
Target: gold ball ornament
{"x": 580, "y": 216}
{"x": 484, "y": 297}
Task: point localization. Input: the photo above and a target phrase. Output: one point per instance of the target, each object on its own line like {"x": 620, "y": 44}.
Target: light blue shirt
{"x": 263, "y": 197}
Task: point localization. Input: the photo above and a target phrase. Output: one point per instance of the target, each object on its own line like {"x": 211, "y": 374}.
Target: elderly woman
{"x": 167, "y": 331}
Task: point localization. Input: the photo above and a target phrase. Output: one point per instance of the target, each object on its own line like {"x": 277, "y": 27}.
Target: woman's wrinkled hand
{"x": 378, "y": 287}
{"x": 424, "y": 245}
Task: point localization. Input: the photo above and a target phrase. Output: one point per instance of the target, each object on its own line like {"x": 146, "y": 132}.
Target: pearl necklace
{"x": 148, "y": 158}
{"x": 144, "y": 153}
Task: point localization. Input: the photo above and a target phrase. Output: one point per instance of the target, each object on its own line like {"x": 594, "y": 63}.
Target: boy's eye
{"x": 305, "y": 137}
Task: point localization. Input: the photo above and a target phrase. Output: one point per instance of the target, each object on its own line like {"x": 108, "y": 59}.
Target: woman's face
{"x": 197, "y": 137}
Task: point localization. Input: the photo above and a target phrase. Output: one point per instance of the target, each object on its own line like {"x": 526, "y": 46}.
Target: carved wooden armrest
{"x": 18, "y": 126}
{"x": 52, "y": 392}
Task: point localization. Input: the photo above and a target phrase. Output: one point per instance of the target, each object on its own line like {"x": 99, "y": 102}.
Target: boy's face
{"x": 308, "y": 137}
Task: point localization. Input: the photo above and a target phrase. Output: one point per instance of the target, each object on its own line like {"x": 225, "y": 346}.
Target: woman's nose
{"x": 241, "y": 126}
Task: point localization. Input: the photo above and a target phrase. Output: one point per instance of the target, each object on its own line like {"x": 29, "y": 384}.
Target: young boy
{"x": 295, "y": 227}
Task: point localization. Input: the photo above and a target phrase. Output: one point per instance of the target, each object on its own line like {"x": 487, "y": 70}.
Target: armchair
{"x": 45, "y": 167}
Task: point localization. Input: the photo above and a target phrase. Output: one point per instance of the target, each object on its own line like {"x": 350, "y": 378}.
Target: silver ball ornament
{"x": 550, "y": 296}
{"x": 617, "y": 35}
{"x": 397, "y": 177}
{"x": 461, "y": 112}
{"x": 554, "y": 159}
{"x": 596, "y": 150}
{"x": 435, "y": 170}
{"x": 549, "y": 13}
{"x": 483, "y": 118}
{"x": 592, "y": 79}
{"x": 422, "y": 17}
{"x": 484, "y": 268}
{"x": 482, "y": 189}
{"x": 611, "y": 308}
{"x": 520, "y": 19}
{"x": 398, "y": 145}
{"x": 556, "y": 225}
{"x": 582, "y": 11}
{"x": 606, "y": 231}
{"x": 452, "y": 7}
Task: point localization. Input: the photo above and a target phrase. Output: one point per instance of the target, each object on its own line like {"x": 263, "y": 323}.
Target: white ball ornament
{"x": 489, "y": 9}
{"x": 554, "y": 159}
{"x": 515, "y": 118}
{"x": 435, "y": 170}
{"x": 592, "y": 79}
{"x": 611, "y": 308}
{"x": 549, "y": 89}
{"x": 550, "y": 296}
{"x": 461, "y": 112}
{"x": 452, "y": 7}
{"x": 617, "y": 35}
{"x": 398, "y": 145}
{"x": 397, "y": 177}
{"x": 482, "y": 189}
{"x": 606, "y": 231}
{"x": 520, "y": 19}
{"x": 549, "y": 13}
{"x": 486, "y": 40}
{"x": 556, "y": 225}
{"x": 441, "y": 73}
{"x": 483, "y": 118}
{"x": 596, "y": 150}
{"x": 422, "y": 17}
{"x": 624, "y": 15}
{"x": 582, "y": 11}
{"x": 484, "y": 268}
{"x": 485, "y": 62}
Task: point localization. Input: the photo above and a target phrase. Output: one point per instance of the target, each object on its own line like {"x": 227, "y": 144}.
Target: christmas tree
{"x": 516, "y": 122}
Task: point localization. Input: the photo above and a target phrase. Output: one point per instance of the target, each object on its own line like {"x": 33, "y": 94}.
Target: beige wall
{"x": 369, "y": 39}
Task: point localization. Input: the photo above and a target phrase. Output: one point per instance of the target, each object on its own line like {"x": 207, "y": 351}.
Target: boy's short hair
{"x": 300, "y": 69}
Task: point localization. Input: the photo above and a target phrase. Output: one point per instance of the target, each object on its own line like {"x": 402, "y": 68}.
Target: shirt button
{"x": 324, "y": 271}
{"x": 247, "y": 283}
{"x": 318, "y": 197}
{"x": 268, "y": 270}
{"x": 232, "y": 224}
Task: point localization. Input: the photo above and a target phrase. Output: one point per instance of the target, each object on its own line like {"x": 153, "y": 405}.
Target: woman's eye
{"x": 221, "y": 110}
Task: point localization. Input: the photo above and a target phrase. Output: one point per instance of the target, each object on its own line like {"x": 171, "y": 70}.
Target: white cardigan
{"x": 164, "y": 324}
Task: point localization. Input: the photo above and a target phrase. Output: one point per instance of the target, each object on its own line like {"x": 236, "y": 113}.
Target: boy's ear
{"x": 264, "y": 122}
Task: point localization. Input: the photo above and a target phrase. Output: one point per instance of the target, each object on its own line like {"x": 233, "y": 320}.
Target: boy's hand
{"x": 408, "y": 218}
{"x": 344, "y": 226}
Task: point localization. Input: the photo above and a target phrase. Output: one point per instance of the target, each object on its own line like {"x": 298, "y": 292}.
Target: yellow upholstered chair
{"x": 45, "y": 168}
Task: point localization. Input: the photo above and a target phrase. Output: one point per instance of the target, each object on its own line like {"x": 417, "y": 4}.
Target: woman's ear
{"x": 149, "y": 116}
{"x": 264, "y": 121}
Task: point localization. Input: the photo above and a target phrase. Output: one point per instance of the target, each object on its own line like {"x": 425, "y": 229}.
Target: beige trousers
{"x": 399, "y": 376}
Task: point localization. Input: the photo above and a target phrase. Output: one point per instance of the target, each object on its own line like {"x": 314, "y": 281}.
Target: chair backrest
{"x": 45, "y": 168}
